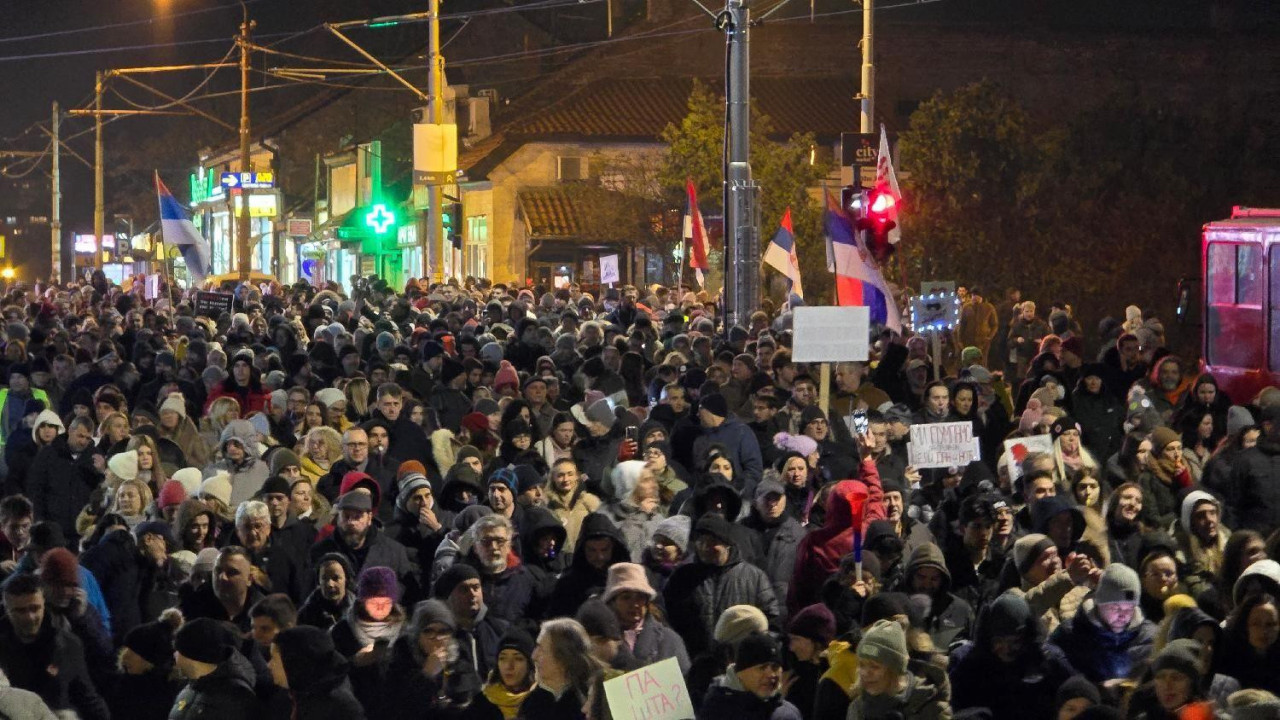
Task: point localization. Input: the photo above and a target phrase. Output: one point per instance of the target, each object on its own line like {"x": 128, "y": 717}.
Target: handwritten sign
{"x": 942, "y": 445}
{"x": 1017, "y": 449}
{"x": 608, "y": 269}
{"x": 213, "y": 304}
{"x": 654, "y": 692}
{"x": 830, "y": 334}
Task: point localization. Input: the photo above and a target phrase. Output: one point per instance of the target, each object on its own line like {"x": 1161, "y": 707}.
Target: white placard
{"x": 830, "y": 334}
{"x": 942, "y": 445}
{"x": 608, "y": 269}
{"x": 152, "y": 288}
{"x": 654, "y": 692}
{"x": 1018, "y": 448}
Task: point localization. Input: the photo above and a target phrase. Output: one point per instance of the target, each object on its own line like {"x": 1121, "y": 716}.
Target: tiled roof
{"x": 549, "y": 213}
{"x": 642, "y": 108}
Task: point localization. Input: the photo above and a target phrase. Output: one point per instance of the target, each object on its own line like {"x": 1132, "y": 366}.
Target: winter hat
{"x": 884, "y": 606}
{"x": 716, "y": 526}
{"x": 601, "y": 412}
{"x": 505, "y": 377}
{"x": 450, "y": 369}
{"x": 599, "y": 620}
{"x": 124, "y": 465}
{"x": 469, "y": 516}
{"x": 409, "y": 484}
{"x": 802, "y": 445}
{"x": 433, "y": 612}
{"x": 519, "y": 640}
{"x": 59, "y": 567}
{"x": 1238, "y": 418}
{"x": 283, "y": 458}
{"x": 174, "y": 403}
{"x": 303, "y": 649}
{"x": 1189, "y": 503}
{"x": 1077, "y": 686}
{"x": 715, "y": 404}
{"x": 477, "y": 423}
{"x": 970, "y": 355}
{"x": 451, "y": 578}
{"x": 627, "y": 577}
{"x": 625, "y": 475}
{"x": 1031, "y": 416}
{"x": 739, "y": 621}
{"x": 153, "y": 641}
{"x": 1028, "y": 549}
{"x": 1119, "y": 583}
{"x": 675, "y": 529}
{"x": 1182, "y": 656}
{"x": 205, "y": 640}
{"x": 171, "y": 493}
{"x": 190, "y": 479}
{"x": 377, "y": 582}
{"x": 1008, "y": 614}
{"x": 885, "y": 642}
{"x": 1063, "y": 424}
{"x": 205, "y": 560}
{"x": 527, "y": 478}
{"x": 1161, "y": 437}
{"x": 757, "y": 649}
{"x": 409, "y": 466}
{"x": 330, "y": 396}
{"x": 815, "y": 623}
{"x": 218, "y": 486}
{"x": 503, "y": 476}
{"x": 155, "y": 527}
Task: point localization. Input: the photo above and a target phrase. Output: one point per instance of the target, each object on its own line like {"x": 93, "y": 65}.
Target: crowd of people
{"x": 479, "y": 501}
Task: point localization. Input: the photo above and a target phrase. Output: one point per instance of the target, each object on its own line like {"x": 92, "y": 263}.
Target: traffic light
{"x": 851, "y": 199}
{"x": 879, "y": 208}
{"x": 451, "y": 220}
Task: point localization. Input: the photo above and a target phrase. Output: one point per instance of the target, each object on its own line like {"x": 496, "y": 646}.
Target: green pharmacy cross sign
{"x": 380, "y": 219}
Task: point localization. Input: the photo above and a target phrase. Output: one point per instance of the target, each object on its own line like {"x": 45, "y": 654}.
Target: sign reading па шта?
{"x": 654, "y": 692}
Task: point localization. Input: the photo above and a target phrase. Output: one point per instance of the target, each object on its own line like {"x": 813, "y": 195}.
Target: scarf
{"x": 506, "y": 701}
{"x": 368, "y": 631}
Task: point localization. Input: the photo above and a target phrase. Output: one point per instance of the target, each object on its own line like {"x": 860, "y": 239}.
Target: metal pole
{"x": 244, "y": 254}
{"x": 433, "y": 253}
{"x": 868, "y": 70}
{"x": 55, "y": 223}
{"x": 99, "y": 213}
{"x": 741, "y": 226}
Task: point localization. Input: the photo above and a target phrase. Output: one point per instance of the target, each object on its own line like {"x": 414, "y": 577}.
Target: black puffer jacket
{"x": 60, "y": 485}
{"x": 53, "y": 667}
{"x": 581, "y": 580}
{"x": 1256, "y": 479}
{"x": 114, "y": 561}
{"x": 227, "y": 692}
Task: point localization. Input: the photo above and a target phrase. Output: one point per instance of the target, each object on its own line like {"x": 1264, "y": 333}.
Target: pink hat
{"x": 505, "y": 376}
{"x": 1031, "y": 416}
{"x": 627, "y": 577}
{"x": 171, "y": 493}
{"x": 802, "y": 444}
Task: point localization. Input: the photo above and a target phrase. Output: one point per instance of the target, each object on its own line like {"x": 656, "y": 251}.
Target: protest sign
{"x": 942, "y": 445}
{"x": 608, "y": 269}
{"x": 1017, "y": 449}
{"x": 654, "y": 692}
{"x": 830, "y": 334}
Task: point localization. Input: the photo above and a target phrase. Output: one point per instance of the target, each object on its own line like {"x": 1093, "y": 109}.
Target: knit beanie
{"x": 410, "y": 466}
{"x": 599, "y": 620}
{"x": 884, "y": 606}
{"x": 1031, "y": 416}
{"x": 1077, "y": 686}
{"x": 433, "y": 612}
{"x": 816, "y": 623}
{"x": 802, "y": 445}
{"x": 1008, "y": 614}
{"x": 519, "y": 640}
{"x": 1161, "y": 437}
{"x": 527, "y": 478}
{"x": 153, "y": 641}
{"x": 59, "y": 567}
{"x": 171, "y": 493}
{"x": 457, "y": 574}
{"x": 715, "y": 404}
{"x": 739, "y": 621}
{"x": 205, "y": 640}
{"x": 1238, "y": 418}
{"x": 409, "y": 484}
{"x": 1182, "y": 656}
{"x": 205, "y": 560}
{"x": 1028, "y": 549}
{"x": 675, "y": 529}
{"x": 218, "y": 486}
{"x": 470, "y": 515}
{"x": 283, "y": 458}
{"x": 124, "y": 465}
{"x": 757, "y": 649}
{"x": 377, "y": 582}
{"x": 970, "y": 355}
{"x": 274, "y": 485}
{"x": 190, "y": 478}
{"x": 503, "y": 476}
{"x": 155, "y": 527}
{"x": 1119, "y": 583}
{"x": 174, "y": 403}
{"x": 885, "y": 642}
{"x": 505, "y": 377}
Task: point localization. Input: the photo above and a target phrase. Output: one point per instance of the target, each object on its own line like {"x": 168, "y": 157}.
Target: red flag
{"x": 695, "y": 232}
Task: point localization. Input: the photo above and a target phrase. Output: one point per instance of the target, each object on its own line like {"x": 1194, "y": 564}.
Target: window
{"x": 1235, "y": 291}
{"x": 571, "y": 169}
{"x": 476, "y": 246}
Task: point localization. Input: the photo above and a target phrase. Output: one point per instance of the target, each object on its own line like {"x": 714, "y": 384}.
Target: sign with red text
{"x": 942, "y": 445}
{"x": 654, "y": 692}
{"x": 1017, "y": 449}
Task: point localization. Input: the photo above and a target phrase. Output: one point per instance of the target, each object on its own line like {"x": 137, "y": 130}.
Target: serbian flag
{"x": 177, "y": 230}
{"x": 781, "y": 254}
{"x": 695, "y": 233}
{"x": 858, "y": 279}
{"x": 887, "y": 181}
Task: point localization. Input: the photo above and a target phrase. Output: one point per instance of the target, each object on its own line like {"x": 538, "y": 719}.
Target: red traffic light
{"x": 881, "y": 203}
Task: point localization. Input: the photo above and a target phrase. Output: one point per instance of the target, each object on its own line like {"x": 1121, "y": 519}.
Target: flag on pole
{"x": 781, "y": 254}
{"x": 695, "y": 233}
{"x": 177, "y": 230}
{"x": 858, "y": 279}
{"x": 887, "y": 181}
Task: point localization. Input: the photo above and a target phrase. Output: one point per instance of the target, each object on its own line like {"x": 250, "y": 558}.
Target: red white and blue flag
{"x": 781, "y": 254}
{"x": 178, "y": 230}
{"x": 887, "y": 182}
{"x": 695, "y": 233}
{"x": 858, "y": 278}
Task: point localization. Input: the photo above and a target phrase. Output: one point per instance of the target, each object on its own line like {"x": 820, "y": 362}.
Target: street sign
{"x": 213, "y": 304}
{"x": 859, "y": 151}
{"x": 248, "y": 180}
{"x": 298, "y": 227}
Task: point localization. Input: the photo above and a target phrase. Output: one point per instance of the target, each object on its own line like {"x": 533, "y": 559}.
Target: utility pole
{"x": 55, "y": 204}
{"x": 434, "y": 248}
{"x": 868, "y": 71}
{"x": 741, "y": 210}
{"x": 244, "y": 260}
{"x": 99, "y": 213}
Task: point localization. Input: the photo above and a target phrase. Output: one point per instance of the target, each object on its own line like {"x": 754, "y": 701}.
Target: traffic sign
{"x": 248, "y": 180}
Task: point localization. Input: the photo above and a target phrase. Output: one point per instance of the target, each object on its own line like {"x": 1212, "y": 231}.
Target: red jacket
{"x": 819, "y": 554}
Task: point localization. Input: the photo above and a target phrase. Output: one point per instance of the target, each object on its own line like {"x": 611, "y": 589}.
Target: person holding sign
{"x": 752, "y": 687}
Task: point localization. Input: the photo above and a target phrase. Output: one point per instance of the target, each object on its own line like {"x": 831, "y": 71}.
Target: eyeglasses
{"x": 494, "y": 541}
